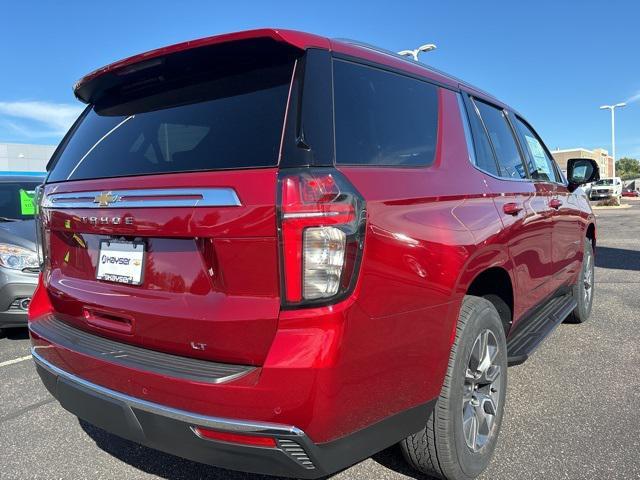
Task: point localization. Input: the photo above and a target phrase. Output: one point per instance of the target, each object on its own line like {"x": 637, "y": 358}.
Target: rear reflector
{"x": 251, "y": 440}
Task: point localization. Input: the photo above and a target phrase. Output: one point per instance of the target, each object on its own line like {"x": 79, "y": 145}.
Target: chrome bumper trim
{"x": 216, "y": 423}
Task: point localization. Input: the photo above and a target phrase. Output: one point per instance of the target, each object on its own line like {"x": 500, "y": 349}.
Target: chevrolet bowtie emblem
{"x": 105, "y": 198}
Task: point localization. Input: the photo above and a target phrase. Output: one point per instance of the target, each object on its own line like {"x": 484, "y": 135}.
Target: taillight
{"x": 321, "y": 222}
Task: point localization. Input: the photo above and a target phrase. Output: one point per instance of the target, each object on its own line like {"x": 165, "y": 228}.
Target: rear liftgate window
{"x": 383, "y": 118}
{"x": 229, "y": 115}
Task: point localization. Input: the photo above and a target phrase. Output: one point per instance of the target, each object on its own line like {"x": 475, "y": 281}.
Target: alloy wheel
{"x": 481, "y": 391}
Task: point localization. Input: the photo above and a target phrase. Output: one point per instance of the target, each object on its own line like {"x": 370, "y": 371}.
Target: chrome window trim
{"x": 217, "y": 423}
{"x": 147, "y": 198}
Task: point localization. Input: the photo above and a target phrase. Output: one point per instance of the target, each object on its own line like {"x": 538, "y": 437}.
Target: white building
{"x": 23, "y": 157}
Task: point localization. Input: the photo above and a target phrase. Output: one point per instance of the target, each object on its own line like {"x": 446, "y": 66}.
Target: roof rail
{"x": 398, "y": 56}
{"x": 410, "y": 59}
{"x": 375, "y": 49}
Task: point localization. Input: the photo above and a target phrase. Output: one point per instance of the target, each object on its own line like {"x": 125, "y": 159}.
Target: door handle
{"x": 512, "y": 208}
{"x": 555, "y": 203}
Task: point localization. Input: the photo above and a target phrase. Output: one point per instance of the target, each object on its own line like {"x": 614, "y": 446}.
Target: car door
{"x": 523, "y": 205}
{"x": 566, "y": 237}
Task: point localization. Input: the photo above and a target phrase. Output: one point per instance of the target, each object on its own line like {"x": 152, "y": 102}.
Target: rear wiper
{"x": 9, "y": 219}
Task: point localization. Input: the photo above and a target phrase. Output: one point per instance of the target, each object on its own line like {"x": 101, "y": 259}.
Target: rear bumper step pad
{"x": 60, "y": 333}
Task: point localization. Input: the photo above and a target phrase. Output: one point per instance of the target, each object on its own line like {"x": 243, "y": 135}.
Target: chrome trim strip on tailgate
{"x": 145, "y": 198}
{"x": 217, "y": 423}
{"x": 59, "y": 333}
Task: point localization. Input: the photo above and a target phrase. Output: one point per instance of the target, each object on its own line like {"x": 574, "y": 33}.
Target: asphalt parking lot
{"x": 572, "y": 409}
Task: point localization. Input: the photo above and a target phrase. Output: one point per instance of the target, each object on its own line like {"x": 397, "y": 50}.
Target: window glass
{"x": 16, "y": 200}
{"x": 484, "y": 158}
{"x": 231, "y": 121}
{"x": 605, "y": 182}
{"x": 382, "y": 118}
{"x": 503, "y": 141}
{"x": 539, "y": 162}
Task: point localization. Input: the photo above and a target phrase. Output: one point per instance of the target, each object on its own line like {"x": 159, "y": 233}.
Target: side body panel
{"x": 430, "y": 231}
{"x": 527, "y": 235}
{"x": 571, "y": 220}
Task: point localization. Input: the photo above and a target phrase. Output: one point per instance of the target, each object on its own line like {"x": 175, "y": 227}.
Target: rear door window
{"x": 539, "y": 161}
{"x": 226, "y": 122}
{"x": 503, "y": 141}
{"x": 484, "y": 158}
{"x": 383, "y": 118}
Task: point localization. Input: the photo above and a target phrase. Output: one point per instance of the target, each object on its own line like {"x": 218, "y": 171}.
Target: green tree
{"x": 628, "y": 168}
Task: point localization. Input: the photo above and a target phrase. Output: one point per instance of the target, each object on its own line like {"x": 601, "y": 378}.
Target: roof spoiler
{"x": 93, "y": 86}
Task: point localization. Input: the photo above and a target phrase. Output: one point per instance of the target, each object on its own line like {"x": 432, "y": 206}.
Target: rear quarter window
{"x": 383, "y": 118}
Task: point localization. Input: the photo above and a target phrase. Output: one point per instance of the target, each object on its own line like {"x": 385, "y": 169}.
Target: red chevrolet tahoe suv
{"x": 279, "y": 253}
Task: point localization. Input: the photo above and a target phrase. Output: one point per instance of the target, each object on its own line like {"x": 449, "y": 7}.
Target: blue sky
{"x": 555, "y": 61}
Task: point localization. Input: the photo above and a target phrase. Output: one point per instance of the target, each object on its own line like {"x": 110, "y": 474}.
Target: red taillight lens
{"x": 252, "y": 440}
{"x": 321, "y": 233}
{"x": 40, "y": 304}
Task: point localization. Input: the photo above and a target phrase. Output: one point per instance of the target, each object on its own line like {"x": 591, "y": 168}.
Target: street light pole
{"x": 414, "y": 53}
{"x": 613, "y": 131}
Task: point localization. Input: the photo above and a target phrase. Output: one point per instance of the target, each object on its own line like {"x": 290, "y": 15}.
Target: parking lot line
{"x": 15, "y": 360}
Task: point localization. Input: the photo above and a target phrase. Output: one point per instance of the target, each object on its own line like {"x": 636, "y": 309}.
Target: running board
{"x": 528, "y": 335}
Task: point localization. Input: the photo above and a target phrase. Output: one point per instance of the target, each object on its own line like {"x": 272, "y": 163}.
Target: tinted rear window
{"x": 223, "y": 122}
{"x": 382, "y": 118}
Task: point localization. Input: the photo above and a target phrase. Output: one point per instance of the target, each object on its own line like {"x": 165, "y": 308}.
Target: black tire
{"x": 440, "y": 449}
{"x": 585, "y": 283}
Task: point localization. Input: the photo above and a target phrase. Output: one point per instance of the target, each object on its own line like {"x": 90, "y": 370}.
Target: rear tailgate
{"x": 209, "y": 275}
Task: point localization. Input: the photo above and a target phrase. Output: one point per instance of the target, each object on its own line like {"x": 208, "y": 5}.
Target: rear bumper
{"x": 13, "y": 319}
{"x": 170, "y": 430}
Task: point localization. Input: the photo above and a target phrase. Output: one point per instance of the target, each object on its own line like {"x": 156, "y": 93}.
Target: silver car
{"x": 18, "y": 258}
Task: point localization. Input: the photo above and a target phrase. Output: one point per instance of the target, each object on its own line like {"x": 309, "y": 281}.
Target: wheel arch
{"x": 494, "y": 284}
{"x": 489, "y": 274}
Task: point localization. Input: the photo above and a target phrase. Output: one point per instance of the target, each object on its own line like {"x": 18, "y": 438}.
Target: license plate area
{"x": 121, "y": 261}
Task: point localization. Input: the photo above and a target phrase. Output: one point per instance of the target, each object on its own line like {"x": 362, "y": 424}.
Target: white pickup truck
{"x": 606, "y": 188}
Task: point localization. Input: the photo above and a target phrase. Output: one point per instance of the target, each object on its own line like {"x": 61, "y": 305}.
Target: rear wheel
{"x": 583, "y": 289}
{"x": 461, "y": 432}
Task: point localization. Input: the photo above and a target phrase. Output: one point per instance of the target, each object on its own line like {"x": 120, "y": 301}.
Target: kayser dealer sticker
{"x": 121, "y": 262}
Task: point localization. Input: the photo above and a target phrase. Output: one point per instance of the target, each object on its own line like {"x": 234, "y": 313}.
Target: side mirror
{"x": 581, "y": 171}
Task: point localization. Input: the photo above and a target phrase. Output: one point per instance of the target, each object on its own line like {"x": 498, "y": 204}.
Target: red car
{"x": 630, "y": 193}
{"x": 275, "y": 252}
